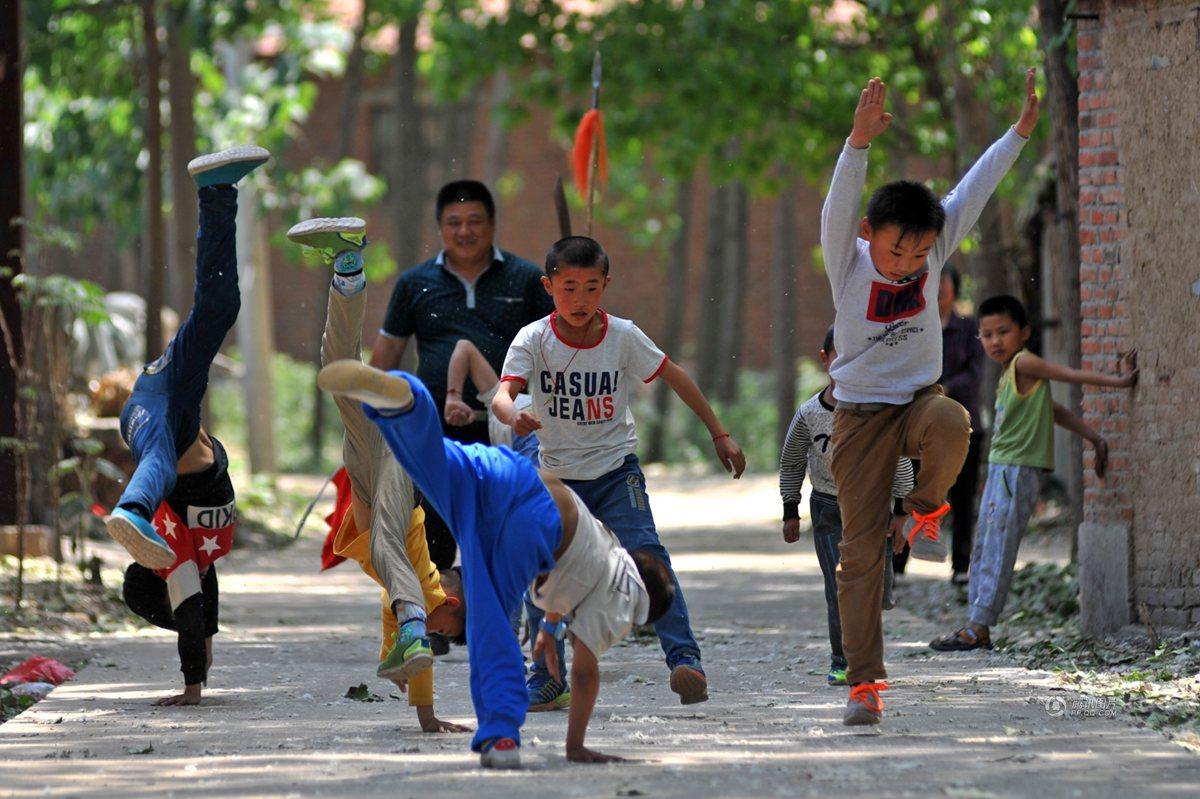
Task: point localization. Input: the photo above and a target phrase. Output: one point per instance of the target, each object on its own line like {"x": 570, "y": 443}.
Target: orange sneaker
{"x": 865, "y": 706}
{"x": 923, "y": 537}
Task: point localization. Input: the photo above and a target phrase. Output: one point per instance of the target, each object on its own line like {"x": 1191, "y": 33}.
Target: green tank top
{"x": 1023, "y": 434}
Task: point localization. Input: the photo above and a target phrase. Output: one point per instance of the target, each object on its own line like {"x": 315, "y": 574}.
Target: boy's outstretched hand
{"x": 869, "y": 118}
{"x": 1127, "y": 368}
{"x": 1029, "y": 111}
{"x": 730, "y": 455}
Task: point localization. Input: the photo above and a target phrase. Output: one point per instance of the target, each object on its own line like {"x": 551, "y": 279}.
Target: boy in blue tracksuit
{"x": 516, "y": 529}
{"x": 180, "y": 484}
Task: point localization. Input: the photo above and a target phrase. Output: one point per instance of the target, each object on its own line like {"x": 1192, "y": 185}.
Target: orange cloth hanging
{"x": 591, "y": 130}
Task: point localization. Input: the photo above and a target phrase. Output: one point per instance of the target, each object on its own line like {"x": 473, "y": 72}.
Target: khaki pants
{"x": 375, "y": 474}
{"x": 866, "y": 444}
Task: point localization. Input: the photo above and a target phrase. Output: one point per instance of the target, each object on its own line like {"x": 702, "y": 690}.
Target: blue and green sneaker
{"x": 546, "y": 693}
{"x": 408, "y": 655}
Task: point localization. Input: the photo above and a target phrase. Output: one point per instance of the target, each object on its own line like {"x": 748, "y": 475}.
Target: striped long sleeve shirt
{"x": 808, "y": 449}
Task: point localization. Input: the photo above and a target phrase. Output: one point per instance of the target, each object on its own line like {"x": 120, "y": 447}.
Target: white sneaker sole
{"x": 326, "y": 224}
{"x": 506, "y": 759}
{"x": 145, "y": 552}
{"x": 233, "y": 155}
{"x": 408, "y": 669}
{"x": 354, "y": 379}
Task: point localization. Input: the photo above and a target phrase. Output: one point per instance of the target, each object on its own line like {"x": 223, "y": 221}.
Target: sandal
{"x": 963, "y": 639}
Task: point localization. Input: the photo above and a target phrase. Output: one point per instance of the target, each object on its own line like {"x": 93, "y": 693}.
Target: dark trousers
{"x": 962, "y": 498}
{"x": 195, "y": 619}
{"x": 442, "y": 549}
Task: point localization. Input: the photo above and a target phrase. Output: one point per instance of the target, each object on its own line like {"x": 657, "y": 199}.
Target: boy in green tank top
{"x": 1022, "y": 452}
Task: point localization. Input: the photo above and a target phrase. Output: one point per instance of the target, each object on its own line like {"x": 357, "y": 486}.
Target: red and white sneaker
{"x": 500, "y": 753}
{"x": 923, "y": 537}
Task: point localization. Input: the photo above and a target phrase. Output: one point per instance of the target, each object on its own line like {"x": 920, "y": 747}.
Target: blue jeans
{"x": 827, "y": 535}
{"x": 507, "y": 528}
{"x": 619, "y": 500}
{"x": 1009, "y": 498}
{"x": 162, "y": 416}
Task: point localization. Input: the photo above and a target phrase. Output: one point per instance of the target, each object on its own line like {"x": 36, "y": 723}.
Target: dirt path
{"x": 275, "y": 722}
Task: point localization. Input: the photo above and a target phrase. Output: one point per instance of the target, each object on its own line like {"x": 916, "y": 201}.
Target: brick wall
{"x": 1138, "y": 204}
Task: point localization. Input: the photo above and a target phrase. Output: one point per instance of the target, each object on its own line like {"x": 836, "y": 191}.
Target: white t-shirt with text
{"x": 581, "y": 395}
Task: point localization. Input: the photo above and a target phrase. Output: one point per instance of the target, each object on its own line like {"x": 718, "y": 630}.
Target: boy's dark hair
{"x": 465, "y": 191}
{"x": 658, "y": 583}
{"x": 908, "y": 205}
{"x": 827, "y": 344}
{"x": 1004, "y": 305}
{"x": 576, "y": 251}
{"x": 948, "y": 271}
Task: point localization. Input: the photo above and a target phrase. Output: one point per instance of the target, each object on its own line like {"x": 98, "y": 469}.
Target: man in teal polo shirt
{"x": 471, "y": 290}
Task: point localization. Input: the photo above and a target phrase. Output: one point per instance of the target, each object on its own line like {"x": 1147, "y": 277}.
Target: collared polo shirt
{"x": 439, "y": 307}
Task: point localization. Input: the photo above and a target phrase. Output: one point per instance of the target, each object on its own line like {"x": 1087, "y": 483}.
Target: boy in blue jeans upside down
{"x": 516, "y": 529}
{"x": 181, "y": 484}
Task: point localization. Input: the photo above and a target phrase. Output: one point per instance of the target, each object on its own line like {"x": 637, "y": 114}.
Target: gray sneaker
{"x": 924, "y": 539}
{"x": 864, "y": 707}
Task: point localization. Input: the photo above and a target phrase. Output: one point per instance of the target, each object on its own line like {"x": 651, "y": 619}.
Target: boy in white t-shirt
{"x": 578, "y": 365}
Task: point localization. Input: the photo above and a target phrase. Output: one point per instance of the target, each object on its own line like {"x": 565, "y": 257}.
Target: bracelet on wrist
{"x": 723, "y": 435}
{"x": 450, "y": 391}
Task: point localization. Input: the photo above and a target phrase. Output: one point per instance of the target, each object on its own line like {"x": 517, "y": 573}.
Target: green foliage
{"x": 12, "y": 705}
{"x": 75, "y": 506}
{"x": 293, "y": 395}
{"x": 752, "y": 420}
{"x": 738, "y": 87}
{"x": 80, "y": 299}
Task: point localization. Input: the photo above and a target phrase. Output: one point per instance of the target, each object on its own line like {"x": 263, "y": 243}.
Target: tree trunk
{"x": 255, "y": 325}
{"x": 496, "y": 146}
{"x": 347, "y": 117}
{"x": 783, "y": 310}
{"x": 712, "y": 297}
{"x": 153, "y": 253}
{"x": 1062, "y": 98}
{"x": 733, "y": 287}
{"x": 11, "y": 192}
{"x": 407, "y": 173}
{"x": 184, "y": 204}
{"x": 676, "y": 310}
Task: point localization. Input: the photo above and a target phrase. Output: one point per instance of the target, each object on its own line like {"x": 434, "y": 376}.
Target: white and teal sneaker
{"x": 227, "y": 166}
{"x": 338, "y": 241}
{"x": 140, "y": 539}
{"x": 329, "y": 236}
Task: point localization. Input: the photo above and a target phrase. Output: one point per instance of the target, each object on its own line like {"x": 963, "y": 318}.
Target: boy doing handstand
{"x": 516, "y": 528}
{"x": 1022, "y": 451}
{"x": 180, "y": 485}
{"x": 384, "y": 531}
{"x": 884, "y": 269}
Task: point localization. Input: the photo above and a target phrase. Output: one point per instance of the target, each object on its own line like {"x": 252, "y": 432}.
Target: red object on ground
{"x": 590, "y": 130}
{"x": 99, "y": 510}
{"x": 341, "y": 506}
{"x": 38, "y": 670}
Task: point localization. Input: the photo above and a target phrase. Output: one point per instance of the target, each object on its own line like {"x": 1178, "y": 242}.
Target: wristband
{"x": 555, "y": 631}
{"x": 723, "y": 435}
{"x": 450, "y": 391}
